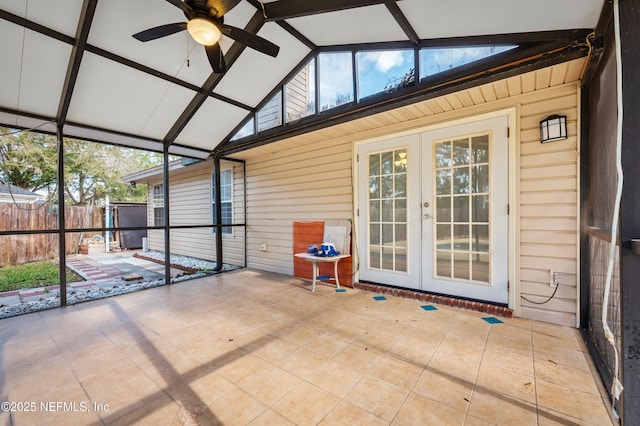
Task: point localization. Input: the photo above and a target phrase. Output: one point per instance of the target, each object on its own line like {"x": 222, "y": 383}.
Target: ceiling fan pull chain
{"x": 188, "y": 52}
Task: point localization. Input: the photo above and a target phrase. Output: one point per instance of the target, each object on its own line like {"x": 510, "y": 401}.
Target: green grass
{"x": 31, "y": 275}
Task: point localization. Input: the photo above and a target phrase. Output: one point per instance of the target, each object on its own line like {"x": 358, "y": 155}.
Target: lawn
{"x": 31, "y": 275}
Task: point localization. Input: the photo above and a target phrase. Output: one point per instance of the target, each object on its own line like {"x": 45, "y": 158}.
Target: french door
{"x": 433, "y": 210}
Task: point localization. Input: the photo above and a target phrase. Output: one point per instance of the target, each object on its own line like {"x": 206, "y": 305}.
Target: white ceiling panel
{"x": 59, "y": 15}
{"x": 33, "y": 70}
{"x": 255, "y": 74}
{"x": 361, "y": 25}
{"x": 443, "y": 19}
{"x": 102, "y": 136}
{"x": 213, "y": 121}
{"x": 116, "y": 21}
{"x": 113, "y": 96}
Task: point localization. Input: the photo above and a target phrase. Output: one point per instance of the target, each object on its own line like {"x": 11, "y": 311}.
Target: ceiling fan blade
{"x": 286, "y": 9}
{"x": 161, "y": 31}
{"x": 216, "y": 58}
{"x": 182, "y": 5}
{"x": 250, "y": 40}
{"x": 222, "y": 6}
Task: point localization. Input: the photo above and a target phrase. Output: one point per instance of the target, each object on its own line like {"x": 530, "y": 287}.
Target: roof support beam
{"x": 397, "y": 14}
{"x": 254, "y": 25}
{"x": 79, "y": 45}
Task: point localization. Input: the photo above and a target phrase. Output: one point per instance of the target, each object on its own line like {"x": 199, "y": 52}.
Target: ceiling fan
{"x": 206, "y": 26}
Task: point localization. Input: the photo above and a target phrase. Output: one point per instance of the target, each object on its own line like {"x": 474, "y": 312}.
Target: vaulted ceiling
{"x": 74, "y": 65}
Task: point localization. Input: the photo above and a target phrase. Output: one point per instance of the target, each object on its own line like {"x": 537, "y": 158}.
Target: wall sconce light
{"x": 553, "y": 128}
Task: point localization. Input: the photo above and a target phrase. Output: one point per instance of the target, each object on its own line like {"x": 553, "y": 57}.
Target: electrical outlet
{"x": 263, "y": 247}
{"x": 554, "y": 278}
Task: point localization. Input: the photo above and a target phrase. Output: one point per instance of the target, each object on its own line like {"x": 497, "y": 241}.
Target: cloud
{"x": 382, "y": 61}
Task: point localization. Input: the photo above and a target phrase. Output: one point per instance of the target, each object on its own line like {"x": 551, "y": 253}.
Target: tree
{"x": 91, "y": 170}
{"x": 27, "y": 159}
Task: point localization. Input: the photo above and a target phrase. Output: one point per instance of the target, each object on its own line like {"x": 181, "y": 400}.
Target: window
{"x": 158, "y": 205}
{"x": 336, "y": 79}
{"x": 436, "y": 60}
{"x": 300, "y": 93}
{"x": 226, "y": 198}
{"x": 382, "y": 72}
{"x": 270, "y": 115}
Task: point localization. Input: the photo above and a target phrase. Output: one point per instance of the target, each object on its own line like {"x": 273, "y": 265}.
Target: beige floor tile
{"x": 509, "y": 361}
{"x": 397, "y": 372}
{"x": 335, "y": 377}
{"x": 270, "y": 384}
{"x": 158, "y": 411}
{"x": 506, "y": 382}
{"x": 420, "y": 410}
{"x": 347, "y": 414}
{"x": 549, "y": 417}
{"x": 306, "y": 404}
{"x": 201, "y": 391}
{"x": 462, "y": 365}
{"x": 299, "y": 335}
{"x": 377, "y": 396}
{"x": 416, "y": 354}
{"x": 270, "y": 418}
{"x": 584, "y": 406}
{"x": 500, "y": 409}
{"x": 444, "y": 388}
{"x": 236, "y": 407}
{"x": 240, "y": 368}
{"x": 326, "y": 346}
{"x": 301, "y": 362}
{"x": 568, "y": 357}
{"x": 574, "y": 378}
{"x": 520, "y": 344}
{"x": 377, "y": 342}
{"x": 357, "y": 357}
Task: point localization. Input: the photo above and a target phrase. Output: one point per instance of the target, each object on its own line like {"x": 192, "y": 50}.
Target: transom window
{"x": 158, "y": 205}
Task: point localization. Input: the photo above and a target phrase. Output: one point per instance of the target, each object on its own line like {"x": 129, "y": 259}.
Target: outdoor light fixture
{"x": 553, "y": 128}
{"x": 203, "y": 31}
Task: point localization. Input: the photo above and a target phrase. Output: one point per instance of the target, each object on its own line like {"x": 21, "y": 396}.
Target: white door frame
{"x": 514, "y": 187}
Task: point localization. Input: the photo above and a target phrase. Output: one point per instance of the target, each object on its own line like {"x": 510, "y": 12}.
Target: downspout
{"x": 167, "y": 233}
{"x": 62, "y": 244}
{"x": 218, "y": 202}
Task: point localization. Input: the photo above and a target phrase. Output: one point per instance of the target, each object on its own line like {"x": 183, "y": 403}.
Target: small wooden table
{"x": 323, "y": 259}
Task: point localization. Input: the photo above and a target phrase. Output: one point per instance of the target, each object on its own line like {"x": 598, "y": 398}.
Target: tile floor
{"x": 249, "y": 347}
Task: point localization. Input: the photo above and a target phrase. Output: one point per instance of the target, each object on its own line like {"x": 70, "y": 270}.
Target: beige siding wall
{"x": 311, "y": 181}
{"x": 190, "y": 195}
{"x": 310, "y": 178}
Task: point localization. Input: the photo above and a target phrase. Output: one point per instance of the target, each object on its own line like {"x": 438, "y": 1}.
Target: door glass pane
{"x": 480, "y": 149}
{"x": 388, "y": 210}
{"x": 374, "y": 211}
{"x": 461, "y": 266}
{"x": 461, "y": 152}
{"x": 443, "y": 209}
{"x": 401, "y": 210}
{"x": 374, "y": 165}
{"x": 443, "y": 182}
{"x": 480, "y": 267}
{"x": 443, "y": 264}
{"x": 401, "y": 260}
{"x": 443, "y": 154}
{"x": 462, "y": 199}
{"x": 443, "y": 241}
{"x": 374, "y": 187}
{"x": 461, "y": 180}
{"x": 461, "y": 209}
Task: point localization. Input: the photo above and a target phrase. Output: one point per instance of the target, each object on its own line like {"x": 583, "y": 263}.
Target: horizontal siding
{"x": 312, "y": 181}
{"x": 549, "y": 211}
{"x": 190, "y": 204}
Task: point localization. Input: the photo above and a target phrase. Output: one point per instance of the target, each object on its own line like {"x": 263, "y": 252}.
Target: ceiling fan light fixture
{"x": 203, "y": 31}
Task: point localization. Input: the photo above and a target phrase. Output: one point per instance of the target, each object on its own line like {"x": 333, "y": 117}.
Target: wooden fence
{"x": 19, "y": 249}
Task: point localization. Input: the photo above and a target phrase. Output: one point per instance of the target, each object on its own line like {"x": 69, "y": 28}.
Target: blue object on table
{"x": 313, "y": 249}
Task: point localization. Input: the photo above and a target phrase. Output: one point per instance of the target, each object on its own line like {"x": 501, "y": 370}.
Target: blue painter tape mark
{"x": 340, "y": 290}
{"x": 324, "y": 277}
{"x": 379, "y": 298}
{"x": 429, "y": 308}
{"x": 492, "y": 320}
